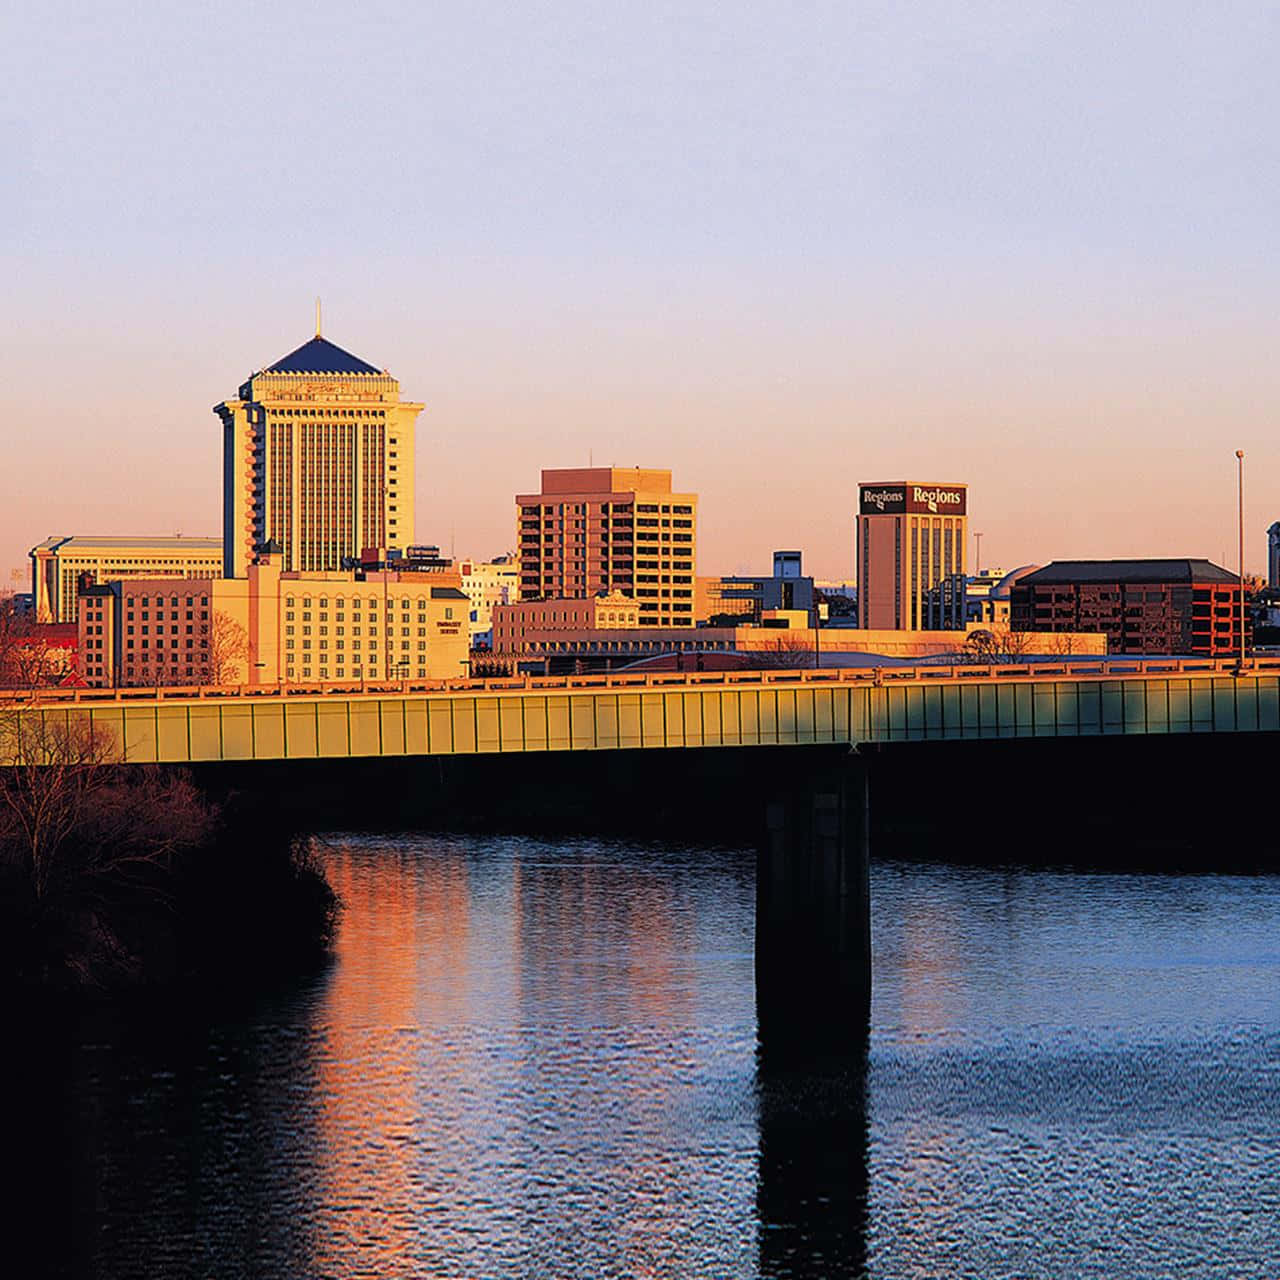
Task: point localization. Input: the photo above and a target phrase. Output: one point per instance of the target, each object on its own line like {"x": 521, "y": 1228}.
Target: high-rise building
{"x": 60, "y": 566}
{"x": 610, "y": 529}
{"x": 1273, "y": 555}
{"x": 910, "y": 552}
{"x": 318, "y": 457}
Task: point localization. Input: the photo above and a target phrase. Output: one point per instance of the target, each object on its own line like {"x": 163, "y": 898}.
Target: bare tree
{"x": 994, "y": 646}
{"x": 67, "y": 804}
{"x": 228, "y": 650}
{"x": 28, "y": 658}
{"x": 789, "y": 652}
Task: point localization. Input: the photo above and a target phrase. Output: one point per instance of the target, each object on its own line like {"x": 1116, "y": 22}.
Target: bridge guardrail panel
{"x": 268, "y": 731}
{"x": 364, "y": 727}
{"x": 173, "y": 742}
{"x": 1024, "y": 710}
{"x": 299, "y": 731}
{"x": 464, "y": 725}
{"x": 139, "y": 729}
{"x": 1179, "y": 702}
{"x": 767, "y": 716}
{"x": 692, "y": 732}
{"x": 749, "y": 716}
{"x": 824, "y": 715}
{"x": 582, "y": 721}
{"x": 630, "y": 720}
{"x": 931, "y": 709}
{"x": 511, "y": 723}
{"x": 672, "y": 720}
{"x": 731, "y": 717}
{"x": 1156, "y": 694}
{"x": 333, "y": 728}
{"x": 440, "y": 727}
{"x": 1201, "y": 706}
{"x": 1044, "y": 710}
{"x": 1269, "y": 703}
{"x": 204, "y": 731}
{"x": 1133, "y": 695}
{"x": 786, "y": 716}
{"x": 711, "y": 709}
{"x": 608, "y": 733}
{"x": 488, "y": 725}
{"x": 238, "y": 730}
{"x": 1067, "y": 707}
{"x": 1112, "y": 698}
{"x": 653, "y": 729}
{"x": 1247, "y": 704}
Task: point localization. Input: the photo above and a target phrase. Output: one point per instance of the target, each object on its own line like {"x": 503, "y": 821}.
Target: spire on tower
{"x": 317, "y": 317}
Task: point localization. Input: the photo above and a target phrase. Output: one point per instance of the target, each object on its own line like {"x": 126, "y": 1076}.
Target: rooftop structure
{"x": 60, "y": 565}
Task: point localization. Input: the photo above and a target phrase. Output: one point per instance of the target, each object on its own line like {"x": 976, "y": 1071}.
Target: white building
{"x": 487, "y": 583}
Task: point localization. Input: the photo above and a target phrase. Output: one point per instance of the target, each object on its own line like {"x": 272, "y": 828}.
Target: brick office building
{"x": 1142, "y": 606}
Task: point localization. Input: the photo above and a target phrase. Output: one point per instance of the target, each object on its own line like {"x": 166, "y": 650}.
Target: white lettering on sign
{"x": 880, "y": 498}
{"x": 933, "y": 499}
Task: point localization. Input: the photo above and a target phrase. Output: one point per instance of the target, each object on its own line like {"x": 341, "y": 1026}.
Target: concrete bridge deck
{"x": 1071, "y": 698}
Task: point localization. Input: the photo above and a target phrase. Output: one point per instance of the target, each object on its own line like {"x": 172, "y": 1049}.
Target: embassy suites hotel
{"x": 910, "y": 554}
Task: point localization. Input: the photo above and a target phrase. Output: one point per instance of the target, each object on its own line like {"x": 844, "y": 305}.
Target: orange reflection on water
{"x": 402, "y": 943}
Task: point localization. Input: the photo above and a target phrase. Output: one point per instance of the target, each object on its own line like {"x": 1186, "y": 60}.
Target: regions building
{"x": 610, "y": 529}
{"x": 910, "y": 554}
{"x": 272, "y": 626}
{"x": 318, "y": 457}
{"x": 59, "y": 566}
{"x": 1142, "y": 606}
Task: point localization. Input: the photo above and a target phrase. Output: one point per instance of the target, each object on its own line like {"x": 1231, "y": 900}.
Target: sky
{"x": 780, "y": 249}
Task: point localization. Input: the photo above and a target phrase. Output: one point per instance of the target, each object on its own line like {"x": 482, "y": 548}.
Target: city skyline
{"x": 479, "y": 524}
{"x": 779, "y": 257}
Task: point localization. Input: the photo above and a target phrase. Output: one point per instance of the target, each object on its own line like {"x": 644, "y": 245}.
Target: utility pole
{"x": 1240, "y": 529}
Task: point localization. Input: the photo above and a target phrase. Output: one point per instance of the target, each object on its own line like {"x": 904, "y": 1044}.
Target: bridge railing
{"x": 1067, "y": 668}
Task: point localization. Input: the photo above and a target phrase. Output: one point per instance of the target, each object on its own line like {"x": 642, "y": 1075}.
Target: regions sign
{"x": 912, "y": 499}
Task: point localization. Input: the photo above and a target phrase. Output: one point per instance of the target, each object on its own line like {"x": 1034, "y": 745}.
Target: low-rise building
{"x": 750, "y": 597}
{"x": 782, "y": 639}
{"x": 1182, "y": 606}
{"x": 487, "y": 584}
{"x": 60, "y": 566}
{"x": 268, "y": 627}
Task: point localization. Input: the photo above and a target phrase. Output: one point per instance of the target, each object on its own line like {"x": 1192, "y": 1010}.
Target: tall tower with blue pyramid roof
{"x": 318, "y": 458}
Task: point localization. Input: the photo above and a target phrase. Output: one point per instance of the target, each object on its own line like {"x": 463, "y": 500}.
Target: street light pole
{"x": 1240, "y": 529}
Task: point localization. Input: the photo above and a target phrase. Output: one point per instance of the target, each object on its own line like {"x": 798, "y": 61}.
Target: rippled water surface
{"x": 539, "y": 1059}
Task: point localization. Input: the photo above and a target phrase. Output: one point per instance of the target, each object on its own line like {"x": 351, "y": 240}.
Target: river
{"x": 538, "y": 1058}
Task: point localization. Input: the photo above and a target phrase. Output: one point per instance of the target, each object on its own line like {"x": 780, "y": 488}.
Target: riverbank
{"x": 144, "y": 883}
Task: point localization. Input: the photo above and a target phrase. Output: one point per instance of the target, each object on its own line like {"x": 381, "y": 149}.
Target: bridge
{"x": 662, "y": 710}
{"x": 795, "y": 748}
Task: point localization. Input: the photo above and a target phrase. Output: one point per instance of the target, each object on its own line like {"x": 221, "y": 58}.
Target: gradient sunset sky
{"x": 777, "y": 248}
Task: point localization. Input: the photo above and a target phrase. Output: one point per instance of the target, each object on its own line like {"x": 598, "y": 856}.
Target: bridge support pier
{"x": 813, "y": 918}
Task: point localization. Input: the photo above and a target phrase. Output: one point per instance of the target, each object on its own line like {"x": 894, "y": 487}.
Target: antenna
{"x": 317, "y": 317}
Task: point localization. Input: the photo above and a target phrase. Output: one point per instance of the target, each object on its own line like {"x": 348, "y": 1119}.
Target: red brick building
{"x": 1142, "y": 606}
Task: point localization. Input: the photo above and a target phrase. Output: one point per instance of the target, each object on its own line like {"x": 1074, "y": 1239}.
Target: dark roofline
{"x": 319, "y": 355}
{"x": 1188, "y": 570}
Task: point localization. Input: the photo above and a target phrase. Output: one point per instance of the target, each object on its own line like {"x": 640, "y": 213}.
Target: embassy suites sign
{"x": 912, "y": 499}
